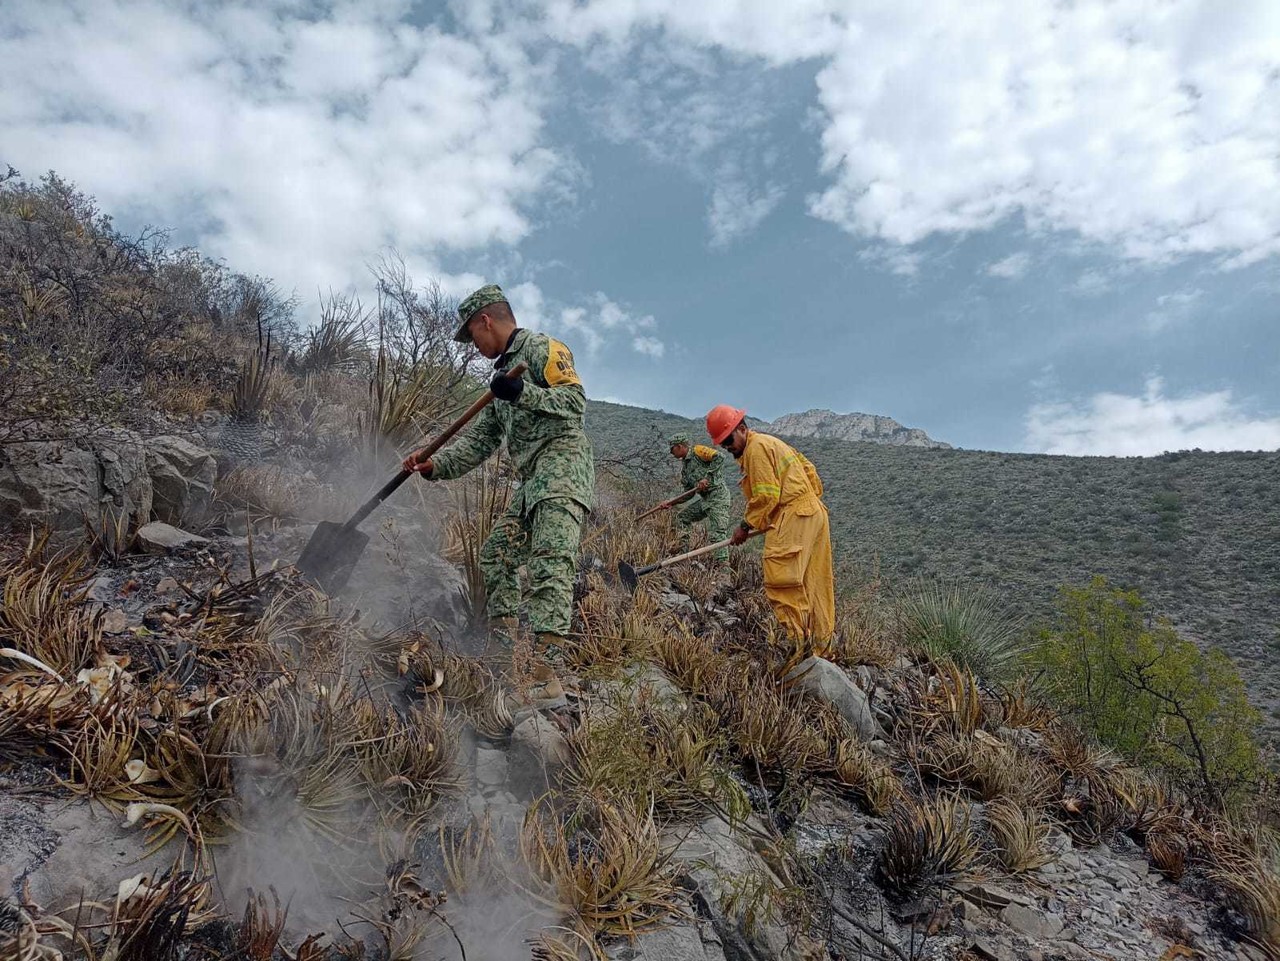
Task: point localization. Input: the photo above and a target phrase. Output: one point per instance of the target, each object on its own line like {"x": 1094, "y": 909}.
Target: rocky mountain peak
{"x": 854, "y": 426}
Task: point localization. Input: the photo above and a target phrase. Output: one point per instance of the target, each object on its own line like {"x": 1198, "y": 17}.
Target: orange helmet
{"x": 722, "y": 420}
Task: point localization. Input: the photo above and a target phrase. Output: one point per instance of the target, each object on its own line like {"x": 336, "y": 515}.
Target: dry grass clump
{"x": 469, "y": 856}
{"x": 615, "y": 629}
{"x": 864, "y": 628}
{"x": 1019, "y": 708}
{"x": 299, "y": 762}
{"x": 612, "y": 876}
{"x": 949, "y": 701}
{"x": 268, "y": 492}
{"x": 467, "y": 684}
{"x": 1090, "y": 800}
{"x": 660, "y": 760}
{"x": 768, "y": 724}
{"x": 409, "y": 761}
{"x": 926, "y": 841}
{"x": 691, "y": 660}
{"x": 871, "y": 778}
{"x": 1245, "y": 867}
{"x": 478, "y": 504}
{"x": 43, "y": 614}
{"x": 1021, "y": 836}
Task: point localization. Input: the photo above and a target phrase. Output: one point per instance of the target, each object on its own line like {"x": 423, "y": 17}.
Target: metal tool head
{"x": 627, "y": 574}
{"x": 331, "y": 555}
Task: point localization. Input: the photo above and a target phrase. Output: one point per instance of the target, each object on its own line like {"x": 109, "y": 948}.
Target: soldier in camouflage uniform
{"x": 539, "y": 417}
{"x": 703, "y": 469}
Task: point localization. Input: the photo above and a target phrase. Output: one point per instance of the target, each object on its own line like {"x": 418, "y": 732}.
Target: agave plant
{"x": 926, "y": 841}
{"x": 615, "y": 880}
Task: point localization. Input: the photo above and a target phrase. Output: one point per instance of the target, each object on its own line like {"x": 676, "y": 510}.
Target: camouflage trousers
{"x": 544, "y": 541}
{"x": 715, "y": 512}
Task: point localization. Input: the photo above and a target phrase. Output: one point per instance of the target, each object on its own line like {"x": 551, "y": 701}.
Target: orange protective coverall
{"x": 784, "y": 491}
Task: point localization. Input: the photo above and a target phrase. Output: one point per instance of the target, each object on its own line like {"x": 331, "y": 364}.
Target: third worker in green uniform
{"x": 703, "y": 470}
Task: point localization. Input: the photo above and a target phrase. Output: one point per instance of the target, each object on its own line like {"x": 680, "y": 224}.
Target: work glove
{"x": 702, "y": 486}
{"x": 412, "y": 464}
{"x": 739, "y": 536}
{"x": 506, "y": 388}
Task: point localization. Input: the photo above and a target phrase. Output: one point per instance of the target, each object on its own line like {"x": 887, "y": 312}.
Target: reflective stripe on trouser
{"x": 715, "y": 512}
{"x": 799, "y": 579}
{"x": 545, "y": 542}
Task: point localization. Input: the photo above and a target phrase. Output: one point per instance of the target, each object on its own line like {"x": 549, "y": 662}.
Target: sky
{"x": 1022, "y": 225}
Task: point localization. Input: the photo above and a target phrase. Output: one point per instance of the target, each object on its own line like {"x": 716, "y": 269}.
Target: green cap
{"x": 680, "y": 437}
{"x": 486, "y": 295}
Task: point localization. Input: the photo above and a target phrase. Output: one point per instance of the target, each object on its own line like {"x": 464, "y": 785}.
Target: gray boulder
{"x": 829, "y": 683}
{"x": 161, "y": 538}
{"x": 59, "y": 483}
{"x": 182, "y": 477}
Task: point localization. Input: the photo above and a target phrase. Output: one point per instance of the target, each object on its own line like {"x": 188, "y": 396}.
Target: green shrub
{"x": 1140, "y": 688}
{"x": 963, "y": 623}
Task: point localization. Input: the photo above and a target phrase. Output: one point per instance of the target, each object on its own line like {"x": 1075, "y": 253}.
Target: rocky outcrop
{"x": 870, "y": 428}
{"x": 61, "y": 483}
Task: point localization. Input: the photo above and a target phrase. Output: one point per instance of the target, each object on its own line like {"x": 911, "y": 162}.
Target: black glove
{"x": 506, "y": 388}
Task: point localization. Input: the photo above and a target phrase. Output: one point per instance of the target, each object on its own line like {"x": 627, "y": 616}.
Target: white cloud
{"x": 1011, "y": 267}
{"x": 650, "y": 346}
{"x": 736, "y": 209}
{"x": 1091, "y": 283}
{"x": 1174, "y": 309}
{"x": 903, "y": 261}
{"x": 1148, "y": 424}
{"x": 589, "y": 329}
{"x": 295, "y": 143}
{"x": 1149, "y": 129}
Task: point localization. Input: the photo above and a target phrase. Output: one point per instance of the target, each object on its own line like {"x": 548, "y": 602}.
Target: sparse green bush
{"x": 1137, "y": 686}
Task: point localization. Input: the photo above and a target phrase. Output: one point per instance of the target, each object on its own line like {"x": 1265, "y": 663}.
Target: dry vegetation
{"x": 254, "y": 712}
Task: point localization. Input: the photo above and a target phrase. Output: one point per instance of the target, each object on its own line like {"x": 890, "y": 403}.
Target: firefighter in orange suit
{"x": 784, "y": 494}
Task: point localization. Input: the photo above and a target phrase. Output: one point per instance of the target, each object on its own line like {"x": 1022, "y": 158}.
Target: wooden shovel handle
{"x": 696, "y": 552}
{"x": 678, "y": 499}
{"x": 483, "y": 401}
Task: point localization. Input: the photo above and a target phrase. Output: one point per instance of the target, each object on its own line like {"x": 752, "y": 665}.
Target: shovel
{"x": 334, "y": 549}
{"x": 631, "y": 575}
{"x": 678, "y": 499}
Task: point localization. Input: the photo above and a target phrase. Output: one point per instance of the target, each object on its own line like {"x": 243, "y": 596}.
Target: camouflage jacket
{"x": 542, "y": 429}
{"x": 705, "y": 463}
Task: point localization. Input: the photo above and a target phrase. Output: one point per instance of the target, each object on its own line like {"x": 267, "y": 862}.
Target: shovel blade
{"x": 331, "y": 555}
{"x": 628, "y": 576}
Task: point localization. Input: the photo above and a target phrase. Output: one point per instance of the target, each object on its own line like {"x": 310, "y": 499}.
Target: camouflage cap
{"x": 486, "y": 295}
{"x": 680, "y": 437}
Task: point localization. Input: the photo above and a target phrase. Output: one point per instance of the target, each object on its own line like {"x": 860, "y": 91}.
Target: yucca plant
{"x": 961, "y": 623}
{"x": 249, "y": 393}
{"x": 340, "y": 340}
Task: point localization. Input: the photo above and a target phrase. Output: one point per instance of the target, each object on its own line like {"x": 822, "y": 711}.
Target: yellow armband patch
{"x": 559, "y": 370}
{"x": 704, "y": 453}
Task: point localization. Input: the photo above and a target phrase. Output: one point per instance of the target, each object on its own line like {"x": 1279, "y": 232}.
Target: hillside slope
{"x": 1197, "y": 533}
